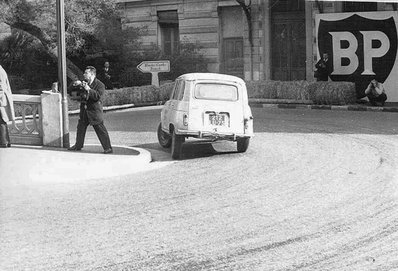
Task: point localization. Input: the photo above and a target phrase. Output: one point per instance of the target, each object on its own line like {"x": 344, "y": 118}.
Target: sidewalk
{"x": 44, "y": 164}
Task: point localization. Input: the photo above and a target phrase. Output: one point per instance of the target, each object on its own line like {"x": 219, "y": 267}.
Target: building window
{"x": 351, "y": 6}
{"x": 169, "y": 31}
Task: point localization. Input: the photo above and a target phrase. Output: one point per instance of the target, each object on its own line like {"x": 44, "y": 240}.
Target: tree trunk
{"x": 73, "y": 72}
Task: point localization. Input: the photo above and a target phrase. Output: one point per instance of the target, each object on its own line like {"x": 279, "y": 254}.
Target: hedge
{"x": 165, "y": 91}
{"x": 131, "y": 95}
{"x": 317, "y": 92}
{"x": 296, "y": 90}
{"x": 331, "y": 93}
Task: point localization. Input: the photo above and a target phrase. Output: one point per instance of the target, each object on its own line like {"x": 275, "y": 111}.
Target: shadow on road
{"x": 190, "y": 150}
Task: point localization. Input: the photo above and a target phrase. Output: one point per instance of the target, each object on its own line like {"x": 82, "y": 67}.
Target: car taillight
{"x": 185, "y": 120}
{"x": 246, "y": 122}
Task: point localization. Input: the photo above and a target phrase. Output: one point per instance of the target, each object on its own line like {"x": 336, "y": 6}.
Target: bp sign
{"x": 361, "y": 46}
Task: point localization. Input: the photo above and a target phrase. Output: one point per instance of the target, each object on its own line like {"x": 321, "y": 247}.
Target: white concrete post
{"x": 51, "y": 119}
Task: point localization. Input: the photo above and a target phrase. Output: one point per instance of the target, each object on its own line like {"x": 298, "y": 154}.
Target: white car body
{"x": 208, "y": 105}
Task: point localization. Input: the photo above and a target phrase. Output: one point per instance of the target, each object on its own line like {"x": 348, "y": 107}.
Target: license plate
{"x": 218, "y": 119}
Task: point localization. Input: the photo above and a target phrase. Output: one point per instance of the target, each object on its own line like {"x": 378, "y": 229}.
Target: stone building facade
{"x": 283, "y": 42}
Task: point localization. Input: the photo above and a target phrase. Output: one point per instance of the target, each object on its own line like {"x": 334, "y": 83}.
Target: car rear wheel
{"x": 243, "y": 144}
{"x": 176, "y": 145}
{"x": 163, "y": 137}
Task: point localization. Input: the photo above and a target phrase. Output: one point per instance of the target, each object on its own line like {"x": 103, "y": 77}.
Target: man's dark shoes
{"x": 108, "y": 151}
{"x": 74, "y": 148}
{"x": 8, "y": 145}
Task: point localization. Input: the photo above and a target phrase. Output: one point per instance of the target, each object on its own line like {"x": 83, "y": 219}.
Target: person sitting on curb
{"x": 376, "y": 93}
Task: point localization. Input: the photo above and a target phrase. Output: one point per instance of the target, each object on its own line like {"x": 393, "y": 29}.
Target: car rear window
{"x": 211, "y": 91}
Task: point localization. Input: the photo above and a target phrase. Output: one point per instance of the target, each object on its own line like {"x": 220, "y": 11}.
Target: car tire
{"x": 243, "y": 144}
{"x": 163, "y": 137}
{"x": 176, "y": 145}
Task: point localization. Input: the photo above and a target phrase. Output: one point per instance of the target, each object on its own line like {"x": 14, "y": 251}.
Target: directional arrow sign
{"x": 154, "y": 66}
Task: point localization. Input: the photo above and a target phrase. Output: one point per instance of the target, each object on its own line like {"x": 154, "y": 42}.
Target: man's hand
{"x": 85, "y": 86}
{"x": 77, "y": 83}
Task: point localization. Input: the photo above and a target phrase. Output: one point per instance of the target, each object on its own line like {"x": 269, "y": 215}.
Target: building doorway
{"x": 233, "y": 56}
{"x": 288, "y": 48}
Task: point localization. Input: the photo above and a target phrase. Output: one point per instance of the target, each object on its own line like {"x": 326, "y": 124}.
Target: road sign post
{"x": 154, "y": 67}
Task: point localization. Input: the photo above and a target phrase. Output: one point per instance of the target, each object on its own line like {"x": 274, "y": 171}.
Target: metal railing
{"x": 27, "y": 128}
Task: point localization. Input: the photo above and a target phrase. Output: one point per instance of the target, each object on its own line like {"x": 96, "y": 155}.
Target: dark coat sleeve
{"x": 96, "y": 91}
{"x": 94, "y": 103}
{"x": 318, "y": 64}
{"x": 323, "y": 69}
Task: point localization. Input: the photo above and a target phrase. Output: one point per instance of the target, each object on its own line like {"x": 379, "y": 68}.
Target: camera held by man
{"x": 78, "y": 90}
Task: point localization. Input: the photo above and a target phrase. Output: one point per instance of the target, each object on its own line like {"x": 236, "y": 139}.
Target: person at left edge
{"x": 6, "y": 108}
{"x": 91, "y": 111}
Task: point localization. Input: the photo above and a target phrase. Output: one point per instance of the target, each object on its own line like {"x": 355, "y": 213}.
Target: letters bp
{"x": 361, "y": 45}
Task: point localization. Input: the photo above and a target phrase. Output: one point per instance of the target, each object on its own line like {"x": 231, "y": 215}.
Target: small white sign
{"x": 154, "y": 66}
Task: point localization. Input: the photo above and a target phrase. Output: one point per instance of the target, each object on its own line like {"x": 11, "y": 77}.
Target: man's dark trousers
{"x": 99, "y": 129}
{"x": 377, "y": 99}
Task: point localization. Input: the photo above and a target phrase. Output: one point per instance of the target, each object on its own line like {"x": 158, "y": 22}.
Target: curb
{"x": 88, "y": 164}
{"x": 269, "y": 103}
{"x": 119, "y": 107}
{"x": 326, "y": 107}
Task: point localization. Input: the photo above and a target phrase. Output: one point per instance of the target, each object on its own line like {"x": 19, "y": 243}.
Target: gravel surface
{"x": 294, "y": 201}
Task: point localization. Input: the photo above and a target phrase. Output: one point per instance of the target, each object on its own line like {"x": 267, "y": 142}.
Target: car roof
{"x": 211, "y": 76}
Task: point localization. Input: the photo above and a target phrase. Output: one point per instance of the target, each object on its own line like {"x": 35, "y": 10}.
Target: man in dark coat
{"x": 91, "y": 112}
{"x": 105, "y": 76}
{"x": 323, "y": 67}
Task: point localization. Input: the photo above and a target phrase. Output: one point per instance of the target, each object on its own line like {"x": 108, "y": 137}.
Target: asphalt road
{"x": 317, "y": 190}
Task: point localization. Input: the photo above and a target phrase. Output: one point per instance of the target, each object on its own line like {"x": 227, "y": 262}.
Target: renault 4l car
{"x": 206, "y": 106}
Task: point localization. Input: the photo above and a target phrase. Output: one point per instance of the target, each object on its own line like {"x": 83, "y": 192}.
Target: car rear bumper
{"x": 211, "y": 135}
